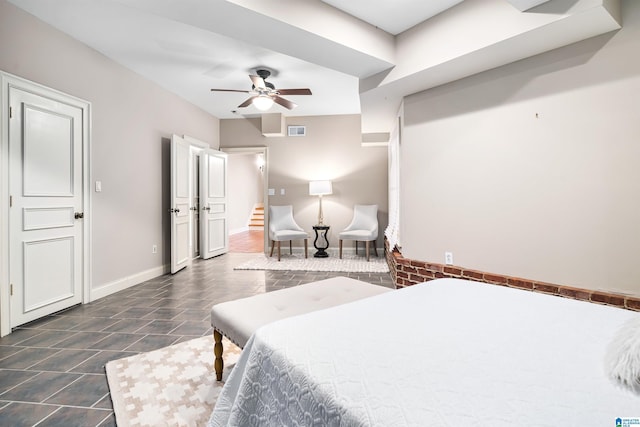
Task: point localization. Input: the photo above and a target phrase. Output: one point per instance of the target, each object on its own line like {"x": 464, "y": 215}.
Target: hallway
{"x": 250, "y": 241}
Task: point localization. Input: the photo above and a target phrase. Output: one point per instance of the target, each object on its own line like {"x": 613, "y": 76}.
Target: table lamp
{"x": 320, "y": 188}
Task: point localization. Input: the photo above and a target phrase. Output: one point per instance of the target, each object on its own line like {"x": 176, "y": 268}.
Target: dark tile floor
{"x": 52, "y": 370}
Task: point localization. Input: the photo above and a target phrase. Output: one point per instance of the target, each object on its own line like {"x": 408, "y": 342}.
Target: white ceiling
{"x": 394, "y": 16}
{"x": 337, "y": 48}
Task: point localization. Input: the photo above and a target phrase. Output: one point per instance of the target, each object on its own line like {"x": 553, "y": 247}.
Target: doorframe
{"x": 7, "y": 81}
{"x": 265, "y": 182}
{"x": 196, "y": 146}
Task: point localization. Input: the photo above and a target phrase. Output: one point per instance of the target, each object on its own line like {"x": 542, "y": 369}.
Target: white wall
{"x": 132, "y": 122}
{"x": 245, "y": 189}
{"x": 531, "y": 170}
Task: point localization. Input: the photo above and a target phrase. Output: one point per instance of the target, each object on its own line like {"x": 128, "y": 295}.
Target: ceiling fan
{"x": 264, "y": 93}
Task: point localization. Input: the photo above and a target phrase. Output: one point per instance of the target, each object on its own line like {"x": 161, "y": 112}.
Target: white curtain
{"x": 392, "y": 230}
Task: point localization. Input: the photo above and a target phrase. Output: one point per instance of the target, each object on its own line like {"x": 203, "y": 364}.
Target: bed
{"x": 444, "y": 353}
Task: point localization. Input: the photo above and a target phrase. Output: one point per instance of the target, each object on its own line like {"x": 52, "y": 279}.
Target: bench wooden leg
{"x": 218, "y": 364}
{"x": 273, "y": 244}
{"x": 340, "y": 246}
{"x": 366, "y": 245}
{"x": 306, "y": 249}
{"x": 375, "y": 249}
{"x": 278, "y": 250}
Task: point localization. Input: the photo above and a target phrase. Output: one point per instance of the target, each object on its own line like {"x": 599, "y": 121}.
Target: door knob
{"x": 206, "y": 208}
{"x": 176, "y": 210}
{"x": 78, "y": 215}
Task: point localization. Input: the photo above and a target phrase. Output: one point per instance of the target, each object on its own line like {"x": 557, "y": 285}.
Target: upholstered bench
{"x": 239, "y": 319}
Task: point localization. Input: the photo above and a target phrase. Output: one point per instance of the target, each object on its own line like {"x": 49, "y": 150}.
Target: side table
{"x": 321, "y": 243}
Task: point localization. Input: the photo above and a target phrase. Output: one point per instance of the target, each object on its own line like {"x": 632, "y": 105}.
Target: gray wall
{"x": 132, "y": 122}
{"x": 331, "y": 150}
{"x": 531, "y": 170}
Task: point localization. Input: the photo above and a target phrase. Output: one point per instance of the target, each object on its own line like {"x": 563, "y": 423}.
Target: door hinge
{"x": 11, "y": 291}
{"x": 11, "y": 112}
{"x": 10, "y": 201}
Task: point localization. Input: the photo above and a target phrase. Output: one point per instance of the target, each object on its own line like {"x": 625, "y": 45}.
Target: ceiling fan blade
{"x": 229, "y": 90}
{"x": 284, "y": 102}
{"x": 247, "y": 102}
{"x": 294, "y": 91}
{"x": 258, "y": 82}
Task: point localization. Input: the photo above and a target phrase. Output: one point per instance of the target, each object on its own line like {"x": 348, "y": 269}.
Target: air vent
{"x": 297, "y": 130}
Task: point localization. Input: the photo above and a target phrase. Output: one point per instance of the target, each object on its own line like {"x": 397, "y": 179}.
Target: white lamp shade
{"x": 263, "y": 102}
{"x": 320, "y": 188}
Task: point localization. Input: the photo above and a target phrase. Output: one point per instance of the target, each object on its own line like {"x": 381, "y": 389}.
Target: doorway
{"x": 248, "y": 181}
{"x": 45, "y": 201}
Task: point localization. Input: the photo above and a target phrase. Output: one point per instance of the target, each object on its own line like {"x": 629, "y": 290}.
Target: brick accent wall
{"x": 407, "y": 272}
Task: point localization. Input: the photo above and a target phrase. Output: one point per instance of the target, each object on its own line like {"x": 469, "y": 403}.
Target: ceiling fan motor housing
{"x": 262, "y": 73}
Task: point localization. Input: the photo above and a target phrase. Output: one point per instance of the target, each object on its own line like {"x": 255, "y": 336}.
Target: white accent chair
{"x": 363, "y": 228}
{"x": 283, "y": 227}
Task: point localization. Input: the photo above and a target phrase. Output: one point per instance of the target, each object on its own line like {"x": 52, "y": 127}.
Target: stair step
{"x": 256, "y": 222}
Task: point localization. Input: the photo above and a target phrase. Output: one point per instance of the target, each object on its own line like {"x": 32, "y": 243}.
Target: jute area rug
{"x": 172, "y": 386}
{"x": 297, "y": 262}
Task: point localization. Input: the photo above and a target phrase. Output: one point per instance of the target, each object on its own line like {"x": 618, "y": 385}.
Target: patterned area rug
{"x": 297, "y": 262}
{"x": 172, "y": 386}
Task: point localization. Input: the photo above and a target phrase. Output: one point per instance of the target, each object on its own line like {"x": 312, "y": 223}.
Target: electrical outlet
{"x": 154, "y": 249}
{"x": 448, "y": 258}
{"x": 282, "y": 191}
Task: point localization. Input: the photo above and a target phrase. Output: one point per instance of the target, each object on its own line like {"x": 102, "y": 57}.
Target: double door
{"x": 211, "y": 225}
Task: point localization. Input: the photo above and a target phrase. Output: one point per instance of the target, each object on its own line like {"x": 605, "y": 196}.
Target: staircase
{"x": 257, "y": 217}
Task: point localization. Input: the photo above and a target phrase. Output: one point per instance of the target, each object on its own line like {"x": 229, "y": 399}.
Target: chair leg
{"x": 374, "y": 248}
{"x": 366, "y": 245}
{"x": 356, "y": 247}
{"x": 278, "y": 250}
{"x": 217, "y": 351}
{"x": 273, "y": 244}
{"x": 290, "y": 247}
{"x": 306, "y": 248}
{"x": 340, "y": 246}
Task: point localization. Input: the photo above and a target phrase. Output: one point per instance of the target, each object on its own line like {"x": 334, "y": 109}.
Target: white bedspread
{"x": 445, "y": 353}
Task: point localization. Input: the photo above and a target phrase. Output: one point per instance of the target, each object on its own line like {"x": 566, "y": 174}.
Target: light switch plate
{"x": 98, "y": 186}
{"x": 272, "y": 191}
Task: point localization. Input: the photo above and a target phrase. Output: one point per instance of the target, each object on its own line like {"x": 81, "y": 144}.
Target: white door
{"x": 214, "y": 238}
{"x": 46, "y": 205}
{"x": 179, "y": 211}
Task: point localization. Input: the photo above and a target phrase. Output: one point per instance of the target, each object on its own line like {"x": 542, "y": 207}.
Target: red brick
{"x": 402, "y": 275}
{"x": 545, "y": 287}
{"x": 575, "y": 293}
{"x": 418, "y": 264}
{"x": 435, "y": 267}
{"x": 519, "y": 283}
{"x": 425, "y": 273}
{"x": 632, "y": 303}
{"x": 607, "y": 299}
{"x": 454, "y": 271}
{"x": 471, "y": 274}
{"x": 438, "y": 275}
{"x": 416, "y": 279}
{"x": 494, "y": 278}
{"x": 409, "y": 269}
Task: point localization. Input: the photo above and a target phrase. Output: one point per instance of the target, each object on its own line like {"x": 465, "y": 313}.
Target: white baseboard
{"x": 127, "y": 282}
{"x": 238, "y": 230}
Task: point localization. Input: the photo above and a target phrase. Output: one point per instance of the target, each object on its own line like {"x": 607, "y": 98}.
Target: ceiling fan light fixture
{"x": 263, "y": 102}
